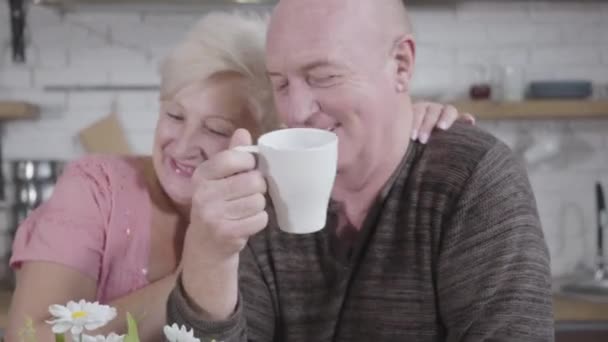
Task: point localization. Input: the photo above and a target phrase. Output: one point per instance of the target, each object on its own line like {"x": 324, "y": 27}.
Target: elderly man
{"x": 423, "y": 243}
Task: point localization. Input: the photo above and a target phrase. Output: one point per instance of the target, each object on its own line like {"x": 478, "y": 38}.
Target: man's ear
{"x": 404, "y": 55}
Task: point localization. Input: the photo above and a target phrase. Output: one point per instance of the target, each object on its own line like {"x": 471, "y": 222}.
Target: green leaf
{"x": 132, "y": 333}
{"x": 28, "y": 333}
{"x": 59, "y": 338}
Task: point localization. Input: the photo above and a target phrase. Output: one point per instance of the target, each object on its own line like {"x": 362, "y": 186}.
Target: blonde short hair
{"x": 220, "y": 43}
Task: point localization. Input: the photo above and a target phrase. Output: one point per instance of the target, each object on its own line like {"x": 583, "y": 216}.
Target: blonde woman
{"x": 113, "y": 231}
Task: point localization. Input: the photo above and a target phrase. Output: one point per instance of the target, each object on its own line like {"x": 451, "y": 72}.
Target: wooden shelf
{"x": 576, "y": 309}
{"x": 535, "y": 109}
{"x": 12, "y": 110}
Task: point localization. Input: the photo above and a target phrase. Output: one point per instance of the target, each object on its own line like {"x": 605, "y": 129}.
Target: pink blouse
{"x": 97, "y": 222}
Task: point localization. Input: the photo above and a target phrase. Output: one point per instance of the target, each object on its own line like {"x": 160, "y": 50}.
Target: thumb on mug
{"x": 240, "y": 137}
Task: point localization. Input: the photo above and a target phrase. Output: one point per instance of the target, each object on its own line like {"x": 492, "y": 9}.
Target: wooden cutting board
{"x": 12, "y": 110}
{"x": 105, "y": 136}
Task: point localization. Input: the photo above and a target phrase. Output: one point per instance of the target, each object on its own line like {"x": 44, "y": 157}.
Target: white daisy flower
{"x": 179, "y": 334}
{"x": 100, "y": 338}
{"x": 76, "y": 317}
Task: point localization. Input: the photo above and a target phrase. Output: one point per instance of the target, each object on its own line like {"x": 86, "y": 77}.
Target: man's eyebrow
{"x": 317, "y": 64}
{"x": 273, "y": 74}
{"x": 309, "y": 66}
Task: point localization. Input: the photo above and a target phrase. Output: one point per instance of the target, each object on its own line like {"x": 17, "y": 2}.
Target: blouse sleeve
{"x": 69, "y": 228}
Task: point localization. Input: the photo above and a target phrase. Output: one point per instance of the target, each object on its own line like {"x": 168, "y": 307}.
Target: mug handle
{"x": 249, "y": 148}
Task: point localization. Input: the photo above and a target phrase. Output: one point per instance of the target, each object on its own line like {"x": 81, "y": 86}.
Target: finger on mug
{"x": 243, "y": 185}
{"x": 208, "y": 191}
{"x": 247, "y": 227}
{"x": 244, "y": 207}
{"x": 226, "y": 164}
{"x": 240, "y": 137}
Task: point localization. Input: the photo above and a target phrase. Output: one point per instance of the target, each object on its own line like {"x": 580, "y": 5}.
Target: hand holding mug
{"x": 228, "y": 205}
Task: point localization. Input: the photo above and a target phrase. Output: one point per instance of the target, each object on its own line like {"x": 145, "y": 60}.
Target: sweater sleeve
{"x": 253, "y": 319}
{"x": 493, "y": 275}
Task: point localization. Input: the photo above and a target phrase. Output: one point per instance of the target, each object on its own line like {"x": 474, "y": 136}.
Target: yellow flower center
{"x": 78, "y": 314}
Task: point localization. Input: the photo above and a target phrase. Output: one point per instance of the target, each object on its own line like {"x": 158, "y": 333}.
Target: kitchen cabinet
{"x": 535, "y": 109}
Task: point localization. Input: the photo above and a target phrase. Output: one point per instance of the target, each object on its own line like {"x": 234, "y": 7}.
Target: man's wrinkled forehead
{"x": 323, "y": 8}
{"x": 295, "y": 17}
{"x": 308, "y": 27}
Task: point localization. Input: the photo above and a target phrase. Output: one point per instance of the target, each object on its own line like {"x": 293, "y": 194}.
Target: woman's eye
{"x": 175, "y": 116}
{"x": 219, "y": 127}
{"x": 218, "y": 132}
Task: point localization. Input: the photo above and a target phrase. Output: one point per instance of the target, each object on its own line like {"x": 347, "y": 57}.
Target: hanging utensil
{"x": 602, "y": 222}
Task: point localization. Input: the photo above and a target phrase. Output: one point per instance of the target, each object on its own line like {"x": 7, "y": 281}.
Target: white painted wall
{"x": 542, "y": 40}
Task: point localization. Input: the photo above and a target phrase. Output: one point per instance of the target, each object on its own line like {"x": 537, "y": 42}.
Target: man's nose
{"x": 302, "y": 104}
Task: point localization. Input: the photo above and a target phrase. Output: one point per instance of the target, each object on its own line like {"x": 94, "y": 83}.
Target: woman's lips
{"x": 185, "y": 171}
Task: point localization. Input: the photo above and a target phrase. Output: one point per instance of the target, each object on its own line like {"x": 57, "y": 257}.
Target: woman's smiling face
{"x": 196, "y": 123}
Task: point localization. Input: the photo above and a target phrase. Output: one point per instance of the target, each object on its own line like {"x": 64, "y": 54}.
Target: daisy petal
{"x": 59, "y": 311}
{"x": 170, "y": 333}
{"x": 73, "y": 306}
{"x": 115, "y": 338}
{"x": 61, "y": 328}
{"x": 76, "y": 330}
{"x": 89, "y": 338}
{"x": 94, "y": 325}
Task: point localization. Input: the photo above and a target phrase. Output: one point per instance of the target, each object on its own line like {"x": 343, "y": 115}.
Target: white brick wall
{"x": 566, "y": 56}
{"x": 542, "y": 39}
{"x": 522, "y": 33}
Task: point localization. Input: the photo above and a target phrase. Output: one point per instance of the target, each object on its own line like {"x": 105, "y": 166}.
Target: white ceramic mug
{"x": 300, "y": 167}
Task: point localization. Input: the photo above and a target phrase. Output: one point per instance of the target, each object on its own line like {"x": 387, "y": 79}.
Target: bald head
{"x": 395, "y": 15}
{"x": 373, "y": 19}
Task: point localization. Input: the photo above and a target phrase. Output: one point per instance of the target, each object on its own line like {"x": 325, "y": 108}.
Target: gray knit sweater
{"x": 453, "y": 251}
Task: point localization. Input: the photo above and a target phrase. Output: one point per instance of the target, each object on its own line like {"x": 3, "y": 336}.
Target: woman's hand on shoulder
{"x": 429, "y": 115}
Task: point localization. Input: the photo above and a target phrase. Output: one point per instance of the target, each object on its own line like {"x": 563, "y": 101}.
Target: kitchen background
{"x": 458, "y": 45}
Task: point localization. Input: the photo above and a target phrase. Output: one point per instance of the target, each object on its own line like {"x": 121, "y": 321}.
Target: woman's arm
{"x": 59, "y": 252}
{"x": 41, "y": 284}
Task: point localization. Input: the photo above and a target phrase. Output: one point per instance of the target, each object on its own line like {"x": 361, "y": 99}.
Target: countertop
{"x": 566, "y": 309}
